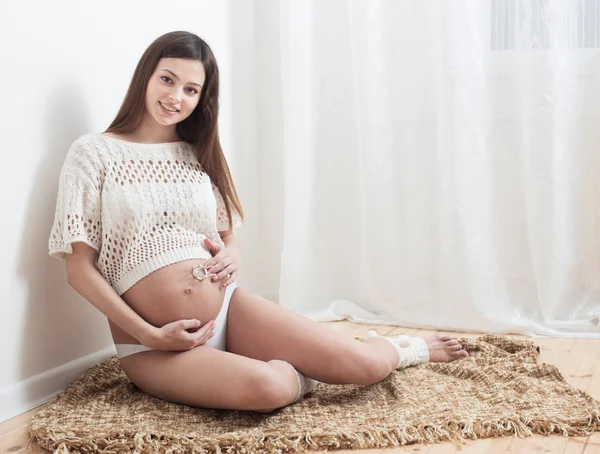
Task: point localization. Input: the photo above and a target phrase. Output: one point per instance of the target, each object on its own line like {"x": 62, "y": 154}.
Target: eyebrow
{"x": 176, "y": 77}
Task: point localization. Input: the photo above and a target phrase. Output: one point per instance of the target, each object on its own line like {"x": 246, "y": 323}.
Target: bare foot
{"x": 443, "y": 349}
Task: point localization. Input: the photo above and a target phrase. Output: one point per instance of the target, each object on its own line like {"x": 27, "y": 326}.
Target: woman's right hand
{"x": 180, "y": 335}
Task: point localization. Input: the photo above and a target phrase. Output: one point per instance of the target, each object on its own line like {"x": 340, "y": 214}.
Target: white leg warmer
{"x": 411, "y": 350}
{"x": 305, "y": 385}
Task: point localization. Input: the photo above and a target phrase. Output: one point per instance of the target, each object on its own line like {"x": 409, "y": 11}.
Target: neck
{"x": 149, "y": 131}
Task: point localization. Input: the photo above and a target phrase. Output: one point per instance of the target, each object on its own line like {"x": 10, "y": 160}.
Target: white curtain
{"x": 442, "y": 163}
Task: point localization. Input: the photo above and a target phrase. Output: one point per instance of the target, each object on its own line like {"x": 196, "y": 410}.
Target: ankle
{"x": 305, "y": 385}
{"x": 411, "y": 351}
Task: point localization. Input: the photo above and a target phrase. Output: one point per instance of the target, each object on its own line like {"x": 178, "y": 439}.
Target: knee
{"x": 274, "y": 386}
{"x": 372, "y": 368}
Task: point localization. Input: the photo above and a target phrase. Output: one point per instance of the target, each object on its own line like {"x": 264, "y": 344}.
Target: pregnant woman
{"x": 144, "y": 221}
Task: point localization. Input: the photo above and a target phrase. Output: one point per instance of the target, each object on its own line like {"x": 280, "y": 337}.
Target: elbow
{"x": 75, "y": 273}
{"x": 80, "y": 263}
{"x": 72, "y": 275}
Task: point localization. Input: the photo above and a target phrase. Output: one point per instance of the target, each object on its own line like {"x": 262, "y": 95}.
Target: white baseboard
{"x": 34, "y": 391}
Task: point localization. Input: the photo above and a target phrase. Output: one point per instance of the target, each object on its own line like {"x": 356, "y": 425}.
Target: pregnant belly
{"x": 169, "y": 294}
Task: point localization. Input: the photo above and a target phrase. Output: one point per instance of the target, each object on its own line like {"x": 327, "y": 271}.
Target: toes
{"x": 444, "y": 338}
{"x": 452, "y": 345}
{"x": 461, "y": 353}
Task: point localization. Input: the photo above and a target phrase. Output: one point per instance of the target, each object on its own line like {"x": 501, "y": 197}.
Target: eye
{"x": 165, "y": 77}
{"x": 193, "y": 91}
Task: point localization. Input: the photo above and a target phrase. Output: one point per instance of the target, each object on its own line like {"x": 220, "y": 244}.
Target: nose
{"x": 175, "y": 96}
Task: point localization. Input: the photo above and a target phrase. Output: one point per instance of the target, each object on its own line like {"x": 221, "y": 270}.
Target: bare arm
{"x": 86, "y": 280}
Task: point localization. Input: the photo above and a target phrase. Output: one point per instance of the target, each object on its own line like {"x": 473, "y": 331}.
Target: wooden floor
{"x": 577, "y": 359}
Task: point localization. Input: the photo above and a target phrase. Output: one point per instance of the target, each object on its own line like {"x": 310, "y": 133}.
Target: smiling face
{"x": 174, "y": 90}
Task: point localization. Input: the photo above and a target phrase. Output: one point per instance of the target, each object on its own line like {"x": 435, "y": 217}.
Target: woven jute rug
{"x": 499, "y": 390}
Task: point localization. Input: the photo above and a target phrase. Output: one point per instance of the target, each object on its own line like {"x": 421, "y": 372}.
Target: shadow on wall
{"x": 256, "y": 95}
{"x": 59, "y": 325}
{"x": 238, "y": 91}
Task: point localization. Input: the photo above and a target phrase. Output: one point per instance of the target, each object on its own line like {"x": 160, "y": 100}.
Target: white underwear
{"x": 218, "y": 341}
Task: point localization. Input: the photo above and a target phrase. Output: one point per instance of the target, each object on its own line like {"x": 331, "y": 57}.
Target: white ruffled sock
{"x": 305, "y": 385}
{"x": 411, "y": 350}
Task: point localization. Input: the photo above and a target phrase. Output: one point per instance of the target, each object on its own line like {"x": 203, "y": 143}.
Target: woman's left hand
{"x": 224, "y": 263}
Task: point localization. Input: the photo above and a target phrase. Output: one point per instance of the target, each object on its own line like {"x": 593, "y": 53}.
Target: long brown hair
{"x": 201, "y": 127}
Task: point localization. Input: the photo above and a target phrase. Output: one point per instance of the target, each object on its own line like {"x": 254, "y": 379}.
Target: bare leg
{"x": 260, "y": 329}
{"x": 210, "y": 378}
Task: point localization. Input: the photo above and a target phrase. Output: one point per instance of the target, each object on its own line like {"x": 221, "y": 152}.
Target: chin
{"x": 167, "y": 121}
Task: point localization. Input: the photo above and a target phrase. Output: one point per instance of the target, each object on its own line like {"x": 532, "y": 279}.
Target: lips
{"x": 168, "y": 108}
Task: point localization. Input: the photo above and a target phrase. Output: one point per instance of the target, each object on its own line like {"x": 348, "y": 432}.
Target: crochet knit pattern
{"x": 141, "y": 206}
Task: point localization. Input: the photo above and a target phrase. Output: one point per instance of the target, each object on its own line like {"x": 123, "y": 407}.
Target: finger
{"x": 203, "y": 341}
{"x": 223, "y": 255}
{"x": 208, "y": 327}
{"x": 227, "y": 264}
{"x": 219, "y": 268}
{"x": 219, "y": 265}
{"x": 201, "y": 333}
{"x": 216, "y": 259}
{"x": 215, "y": 270}
{"x": 205, "y": 334}
{"x": 206, "y": 337}
{"x": 207, "y": 331}
{"x": 231, "y": 279}
{"x": 190, "y": 324}
{"x": 226, "y": 271}
{"x": 213, "y": 247}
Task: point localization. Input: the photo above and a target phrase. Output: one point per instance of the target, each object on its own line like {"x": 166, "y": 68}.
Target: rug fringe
{"x": 455, "y": 432}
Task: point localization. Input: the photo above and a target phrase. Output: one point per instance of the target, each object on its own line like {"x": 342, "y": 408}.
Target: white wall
{"x": 269, "y": 117}
{"x": 65, "y": 68}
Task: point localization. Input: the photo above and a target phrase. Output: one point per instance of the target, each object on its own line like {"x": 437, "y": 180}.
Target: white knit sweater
{"x": 141, "y": 206}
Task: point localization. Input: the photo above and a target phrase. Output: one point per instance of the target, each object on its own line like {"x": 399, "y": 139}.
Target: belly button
{"x": 187, "y": 291}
